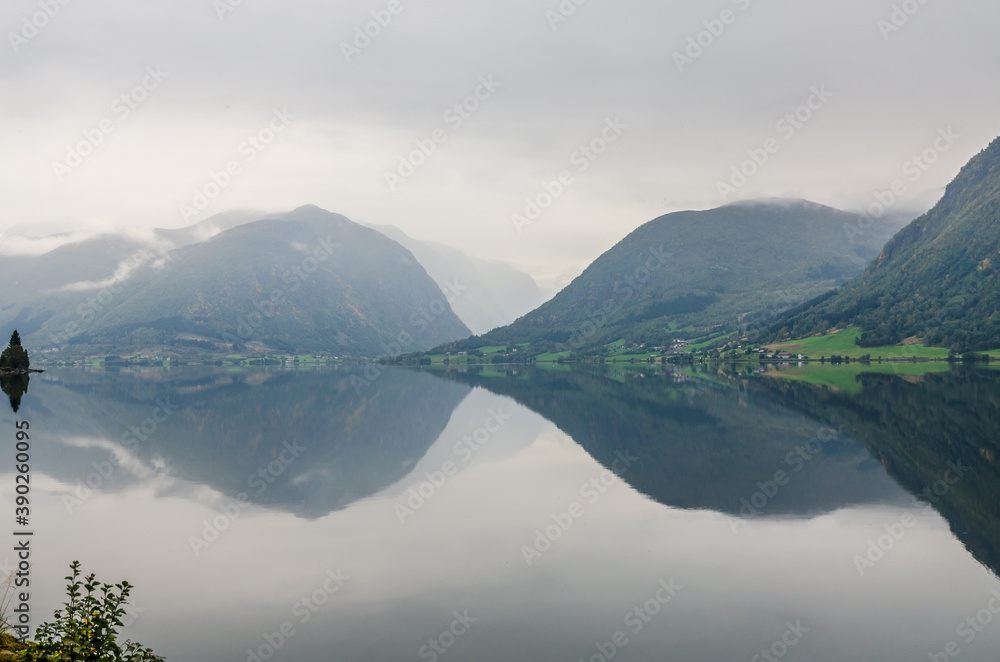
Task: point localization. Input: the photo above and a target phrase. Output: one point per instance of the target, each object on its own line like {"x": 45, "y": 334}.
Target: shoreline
{"x": 11, "y": 372}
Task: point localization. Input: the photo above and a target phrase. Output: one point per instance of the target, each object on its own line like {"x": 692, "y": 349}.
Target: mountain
{"x": 937, "y": 280}
{"x": 485, "y": 294}
{"x": 74, "y": 268}
{"x": 699, "y": 272}
{"x": 64, "y": 272}
{"x": 90, "y": 260}
{"x": 307, "y": 281}
{"x": 227, "y": 220}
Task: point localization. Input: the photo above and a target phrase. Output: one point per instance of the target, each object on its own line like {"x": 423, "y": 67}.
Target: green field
{"x": 842, "y": 343}
{"x": 619, "y": 352}
{"x": 844, "y": 376}
{"x": 554, "y": 367}
{"x": 551, "y": 356}
{"x": 634, "y": 357}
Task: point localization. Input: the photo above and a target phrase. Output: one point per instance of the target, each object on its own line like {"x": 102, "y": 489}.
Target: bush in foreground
{"x": 86, "y": 629}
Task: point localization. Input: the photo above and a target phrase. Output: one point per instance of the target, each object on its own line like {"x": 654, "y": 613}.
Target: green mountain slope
{"x": 935, "y": 280}
{"x": 724, "y": 269}
{"x": 309, "y": 281}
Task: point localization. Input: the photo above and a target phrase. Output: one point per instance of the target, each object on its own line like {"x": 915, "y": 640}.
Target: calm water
{"x": 546, "y": 514}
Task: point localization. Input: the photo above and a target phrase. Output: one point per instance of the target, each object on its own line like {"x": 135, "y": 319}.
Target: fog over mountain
{"x": 307, "y": 281}
{"x": 486, "y": 294}
{"x": 63, "y": 272}
{"x": 698, "y": 96}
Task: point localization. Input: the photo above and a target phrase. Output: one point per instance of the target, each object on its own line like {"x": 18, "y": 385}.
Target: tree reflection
{"x": 14, "y": 386}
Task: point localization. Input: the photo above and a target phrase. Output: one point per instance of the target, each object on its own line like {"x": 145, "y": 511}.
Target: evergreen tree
{"x": 14, "y": 357}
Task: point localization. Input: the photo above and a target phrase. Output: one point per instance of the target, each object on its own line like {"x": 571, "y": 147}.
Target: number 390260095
{"x": 23, "y": 478}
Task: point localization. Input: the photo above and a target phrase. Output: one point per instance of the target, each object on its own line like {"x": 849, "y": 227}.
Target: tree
{"x": 14, "y": 357}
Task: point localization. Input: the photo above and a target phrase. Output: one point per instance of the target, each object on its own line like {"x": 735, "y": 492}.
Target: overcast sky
{"x": 200, "y": 77}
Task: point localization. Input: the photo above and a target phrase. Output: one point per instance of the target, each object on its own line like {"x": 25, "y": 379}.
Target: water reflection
{"x": 715, "y": 437}
{"x": 703, "y": 441}
{"x": 936, "y": 434}
{"x": 307, "y": 442}
{"x": 14, "y": 387}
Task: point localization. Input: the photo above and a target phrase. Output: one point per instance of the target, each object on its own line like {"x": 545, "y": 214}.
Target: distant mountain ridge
{"x": 486, "y": 293}
{"x": 308, "y": 281}
{"x": 727, "y": 269}
{"x": 937, "y": 280}
{"x": 80, "y": 275}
